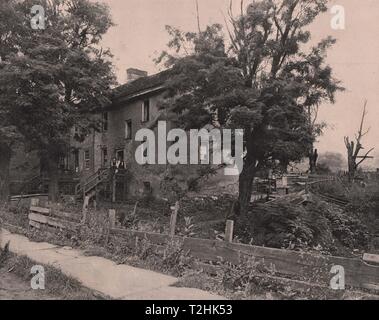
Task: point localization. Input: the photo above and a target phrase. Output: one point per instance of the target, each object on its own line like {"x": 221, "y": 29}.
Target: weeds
{"x": 57, "y": 284}
{"x": 4, "y": 254}
{"x": 175, "y": 259}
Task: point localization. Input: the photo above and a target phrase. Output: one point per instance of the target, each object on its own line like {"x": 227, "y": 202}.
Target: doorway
{"x": 120, "y": 155}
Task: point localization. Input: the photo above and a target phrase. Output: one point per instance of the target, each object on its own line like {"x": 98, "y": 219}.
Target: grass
{"x": 57, "y": 284}
{"x": 171, "y": 259}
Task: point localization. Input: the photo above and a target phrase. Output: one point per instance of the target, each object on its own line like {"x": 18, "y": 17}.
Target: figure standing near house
{"x": 113, "y": 166}
{"x": 118, "y": 162}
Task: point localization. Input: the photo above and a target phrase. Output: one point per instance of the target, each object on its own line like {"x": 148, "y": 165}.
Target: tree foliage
{"x": 57, "y": 76}
{"x": 260, "y": 78}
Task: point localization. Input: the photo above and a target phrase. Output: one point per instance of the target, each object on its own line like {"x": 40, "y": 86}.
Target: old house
{"x": 88, "y": 166}
{"x": 135, "y": 106}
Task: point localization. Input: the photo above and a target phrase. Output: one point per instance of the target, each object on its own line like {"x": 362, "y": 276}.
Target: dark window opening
{"x": 76, "y": 160}
{"x": 105, "y": 121}
{"x": 128, "y": 129}
{"x": 120, "y": 155}
{"x": 62, "y": 163}
{"x": 105, "y": 157}
{"x": 87, "y": 160}
{"x": 146, "y": 111}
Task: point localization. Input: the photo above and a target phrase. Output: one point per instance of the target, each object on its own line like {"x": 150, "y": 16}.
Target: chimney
{"x": 133, "y": 74}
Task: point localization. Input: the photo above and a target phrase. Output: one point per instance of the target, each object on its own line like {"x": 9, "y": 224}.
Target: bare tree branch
{"x": 354, "y": 148}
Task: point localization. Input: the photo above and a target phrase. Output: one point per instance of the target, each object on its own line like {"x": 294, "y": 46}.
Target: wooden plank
{"x": 38, "y": 218}
{"x": 371, "y": 258}
{"x": 51, "y": 221}
{"x": 40, "y": 210}
{"x": 156, "y": 238}
{"x": 34, "y": 224}
{"x": 292, "y": 283}
{"x": 286, "y": 262}
{"x": 304, "y": 266}
{"x": 66, "y": 215}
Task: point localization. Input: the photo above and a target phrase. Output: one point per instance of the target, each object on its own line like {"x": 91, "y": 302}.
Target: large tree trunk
{"x": 247, "y": 175}
{"x": 50, "y": 165}
{"x": 5, "y": 159}
{"x": 245, "y": 189}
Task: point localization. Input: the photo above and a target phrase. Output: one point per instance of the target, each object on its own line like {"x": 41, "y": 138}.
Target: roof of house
{"x": 128, "y": 90}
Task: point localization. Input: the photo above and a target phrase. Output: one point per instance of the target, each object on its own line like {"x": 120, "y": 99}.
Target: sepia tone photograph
{"x": 203, "y": 151}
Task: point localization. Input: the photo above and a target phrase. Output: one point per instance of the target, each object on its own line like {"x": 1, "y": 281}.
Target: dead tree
{"x": 355, "y": 147}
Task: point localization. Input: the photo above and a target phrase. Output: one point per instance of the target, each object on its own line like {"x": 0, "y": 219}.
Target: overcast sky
{"x": 140, "y": 36}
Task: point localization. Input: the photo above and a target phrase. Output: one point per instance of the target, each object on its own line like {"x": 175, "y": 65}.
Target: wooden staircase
{"x": 93, "y": 184}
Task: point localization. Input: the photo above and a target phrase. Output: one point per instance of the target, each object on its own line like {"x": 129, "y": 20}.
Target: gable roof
{"x": 139, "y": 86}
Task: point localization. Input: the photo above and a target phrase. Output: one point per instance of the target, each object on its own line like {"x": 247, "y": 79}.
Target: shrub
{"x": 175, "y": 259}
{"x": 316, "y": 226}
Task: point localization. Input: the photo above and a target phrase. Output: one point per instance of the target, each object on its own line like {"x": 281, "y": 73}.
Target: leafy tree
{"x": 11, "y": 32}
{"x": 263, "y": 82}
{"x": 57, "y": 78}
{"x": 334, "y": 161}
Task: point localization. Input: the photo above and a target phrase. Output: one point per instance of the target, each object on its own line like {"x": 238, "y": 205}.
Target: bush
{"x": 315, "y": 226}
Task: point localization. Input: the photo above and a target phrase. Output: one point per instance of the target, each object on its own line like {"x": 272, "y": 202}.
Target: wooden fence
{"x": 47, "y": 217}
{"x": 286, "y": 263}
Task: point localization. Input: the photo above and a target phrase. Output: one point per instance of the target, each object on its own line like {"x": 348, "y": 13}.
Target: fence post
{"x": 114, "y": 188}
{"x": 229, "y": 231}
{"x": 34, "y": 202}
{"x": 112, "y": 218}
{"x": 173, "y": 219}
{"x": 85, "y": 209}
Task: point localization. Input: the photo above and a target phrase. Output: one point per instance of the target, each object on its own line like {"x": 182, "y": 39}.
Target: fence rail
{"x": 291, "y": 263}
{"x": 287, "y": 263}
{"x": 39, "y": 217}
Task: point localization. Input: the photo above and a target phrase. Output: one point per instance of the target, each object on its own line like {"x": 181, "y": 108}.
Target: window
{"x": 76, "y": 160}
{"x": 146, "y": 111}
{"x": 128, "y": 129}
{"x": 87, "y": 160}
{"x": 120, "y": 155}
{"x": 105, "y": 157}
{"x": 62, "y": 162}
{"x": 105, "y": 121}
